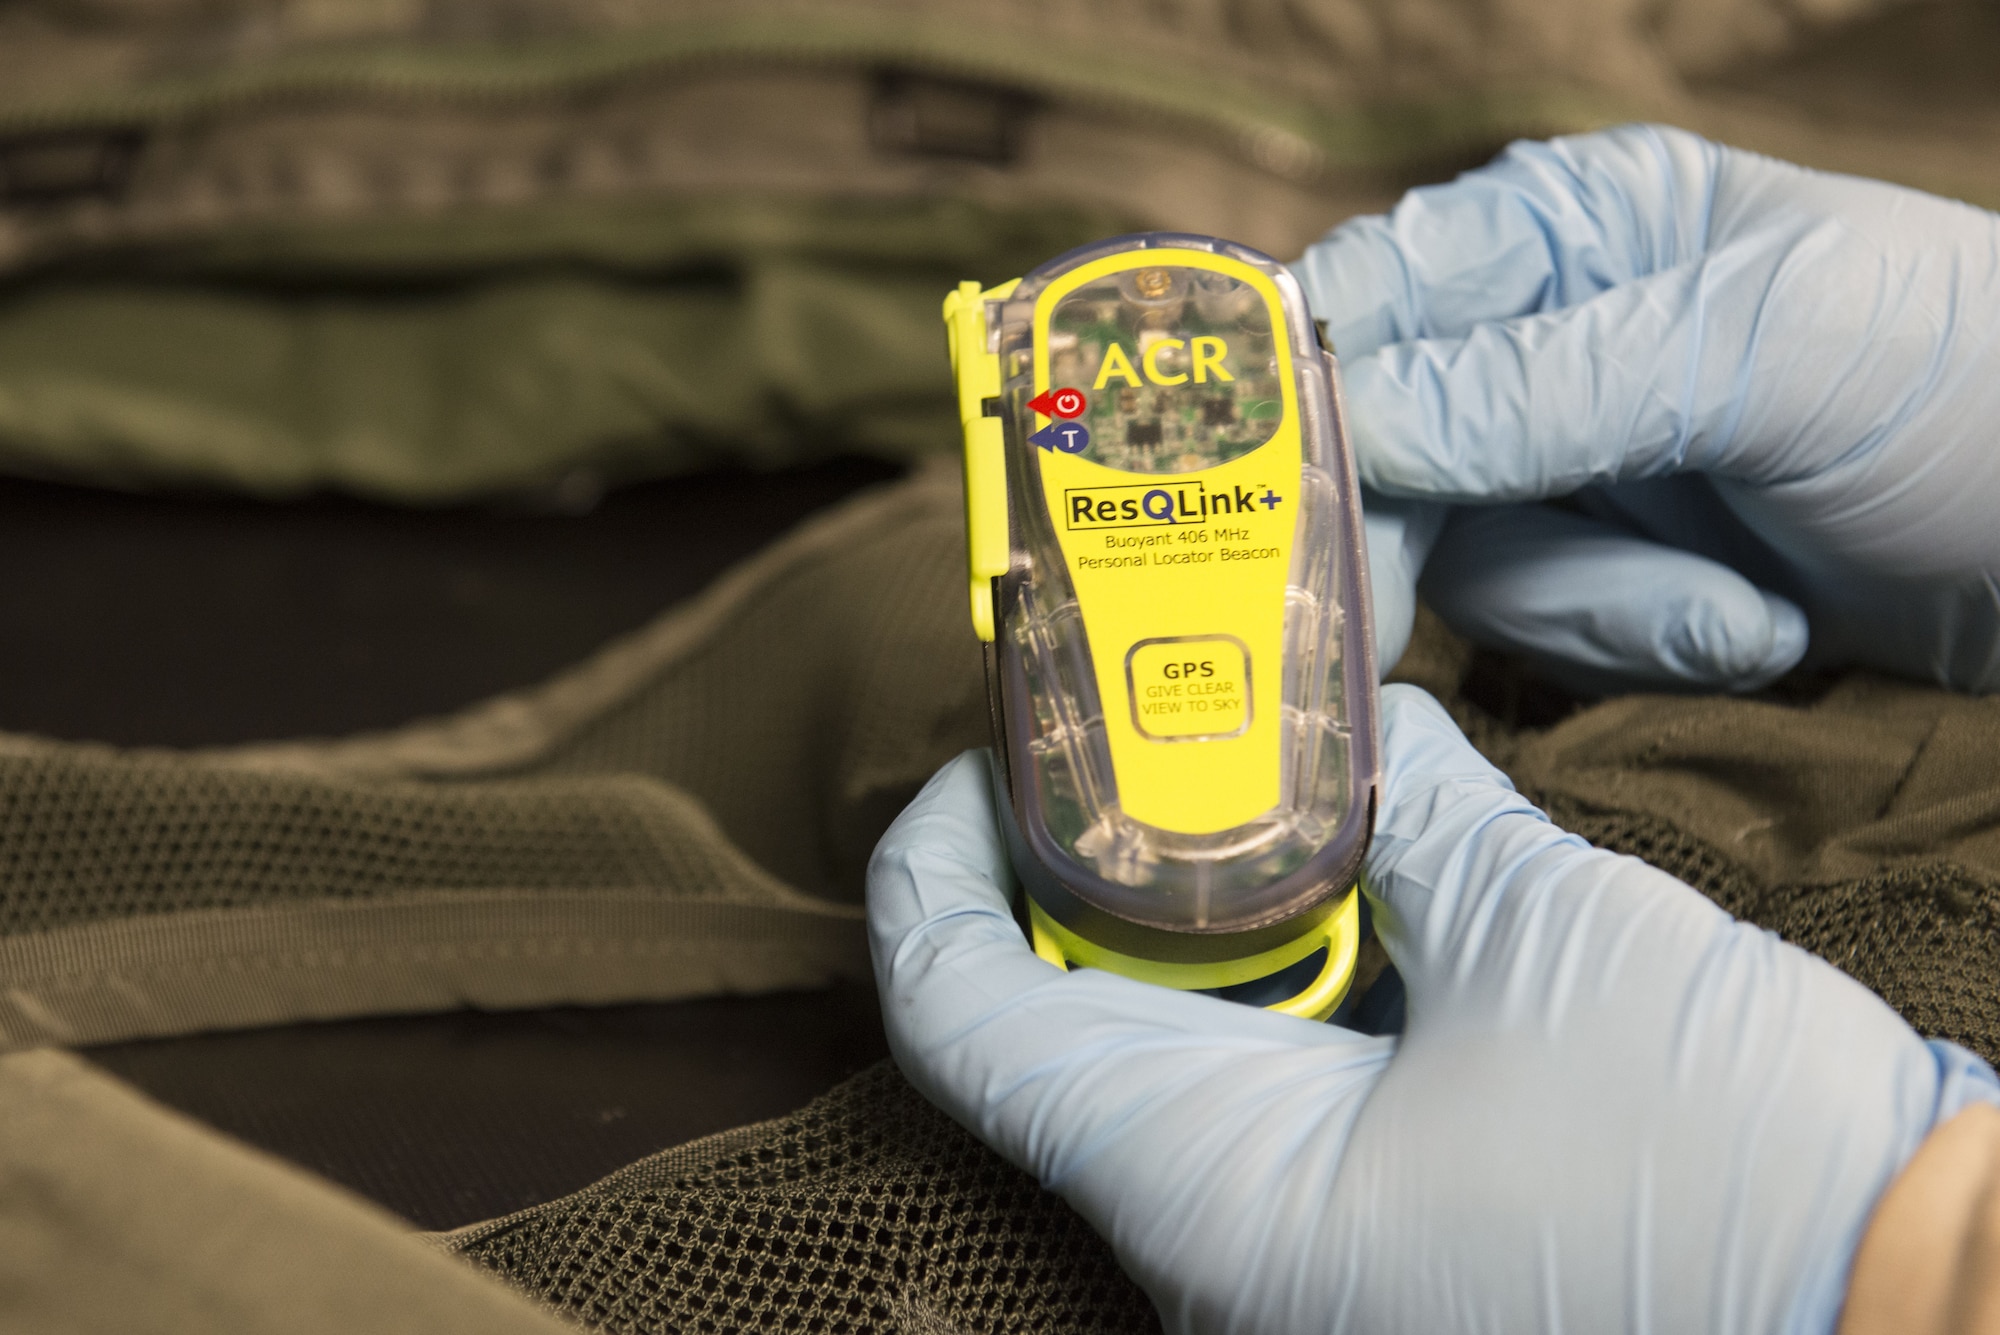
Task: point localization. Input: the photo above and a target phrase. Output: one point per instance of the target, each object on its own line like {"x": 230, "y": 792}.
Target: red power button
{"x": 1059, "y": 403}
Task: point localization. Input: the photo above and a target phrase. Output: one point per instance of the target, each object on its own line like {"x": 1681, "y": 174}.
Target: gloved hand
{"x": 1774, "y": 395}
{"x": 1613, "y": 1107}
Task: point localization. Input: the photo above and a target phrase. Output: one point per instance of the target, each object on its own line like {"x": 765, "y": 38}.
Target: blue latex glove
{"x": 1401, "y": 535}
{"x": 1774, "y": 394}
{"x": 1613, "y": 1108}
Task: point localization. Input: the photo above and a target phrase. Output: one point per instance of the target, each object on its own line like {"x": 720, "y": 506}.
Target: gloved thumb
{"x": 1035, "y": 1059}
{"x": 1400, "y": 536}
{"x": 1456, "y": 849}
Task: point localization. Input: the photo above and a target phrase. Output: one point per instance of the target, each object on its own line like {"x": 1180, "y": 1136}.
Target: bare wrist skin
{"x": 1929, "y": 1263}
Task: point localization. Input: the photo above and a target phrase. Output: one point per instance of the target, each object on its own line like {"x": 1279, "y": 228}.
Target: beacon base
{"x": 1336, "y": 939}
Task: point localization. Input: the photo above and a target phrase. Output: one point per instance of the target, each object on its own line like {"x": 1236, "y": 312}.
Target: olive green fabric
{"x": 423, "y": 265}
{"x": 1303, "y": 85}
{"x": 686, "y": 814}
{"x": 753, "y": 332}
{"x": 1871, "y": 776}
{"x": 431, "y": 251}
{"x": 116, "y": 1214}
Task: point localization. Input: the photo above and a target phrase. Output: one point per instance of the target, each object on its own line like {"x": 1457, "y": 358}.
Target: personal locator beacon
{"x": 1166, "y": 557}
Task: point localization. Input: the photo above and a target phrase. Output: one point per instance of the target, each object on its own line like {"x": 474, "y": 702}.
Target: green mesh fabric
{"x": 1924, "y": 938}
{"x": 688, "y": 812}
{"x": 868, "y": 1210}
{"x": 92, "y": 838}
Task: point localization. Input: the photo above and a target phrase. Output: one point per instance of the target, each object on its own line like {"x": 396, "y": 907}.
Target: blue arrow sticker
{"x": 1069, "y": 437}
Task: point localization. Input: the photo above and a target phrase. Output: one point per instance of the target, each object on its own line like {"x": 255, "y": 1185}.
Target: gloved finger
{"x": 1541, "y": 227}
{"x": 941, "y": 933}
{"x": 1090, "y": 1081}
{"x": 1546, "y": 405}
{"x": 1400, "y": 534}
{"x": 1600, "y": 609}
{"x": 1457, "y": 857}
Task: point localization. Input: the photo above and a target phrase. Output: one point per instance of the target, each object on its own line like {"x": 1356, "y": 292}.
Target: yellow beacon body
{"x": 1165, "y": 546}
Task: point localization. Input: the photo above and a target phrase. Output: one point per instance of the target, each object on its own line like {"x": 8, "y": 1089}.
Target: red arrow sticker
{"x": 1059, "y": 403}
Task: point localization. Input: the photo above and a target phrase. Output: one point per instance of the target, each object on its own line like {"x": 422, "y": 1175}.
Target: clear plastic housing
{"x": 1231, "y": 409}
{"x": 1308, "y": 846}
